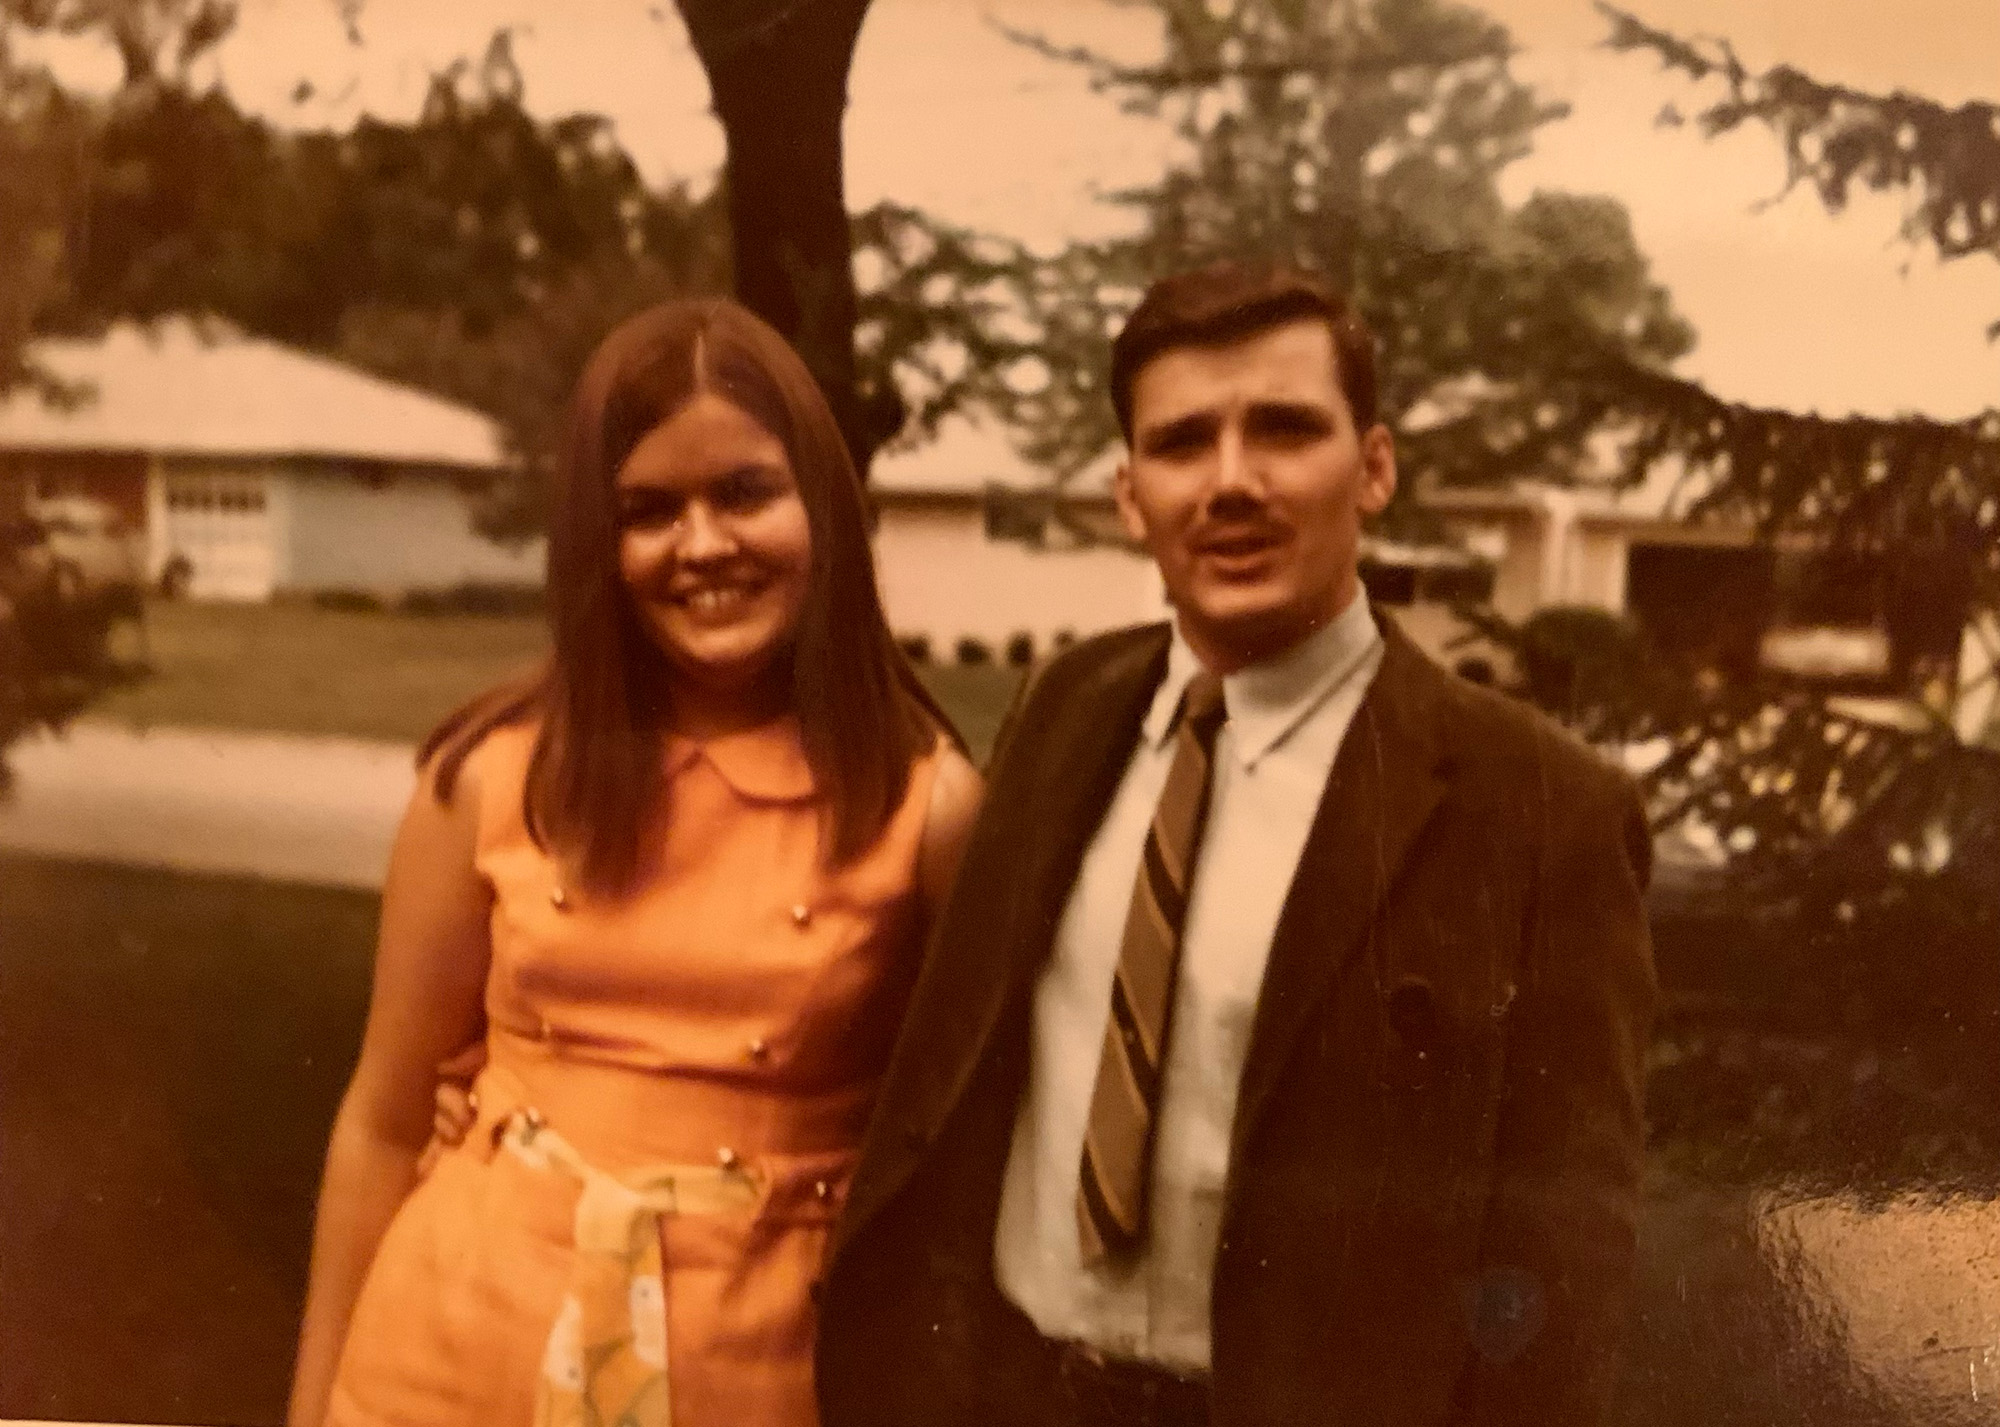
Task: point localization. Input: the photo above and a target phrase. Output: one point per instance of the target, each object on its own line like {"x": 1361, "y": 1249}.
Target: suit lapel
{"x": 1043, "y": 808}
{"x": 1386, "y": 781}
{"x": 1085, "y": 762}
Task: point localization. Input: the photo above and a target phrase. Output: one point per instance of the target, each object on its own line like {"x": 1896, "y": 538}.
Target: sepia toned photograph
{"x": 1063, "y": 713}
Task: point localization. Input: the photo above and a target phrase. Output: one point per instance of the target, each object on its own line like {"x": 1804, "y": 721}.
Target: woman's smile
{"x": 714, "y": 544}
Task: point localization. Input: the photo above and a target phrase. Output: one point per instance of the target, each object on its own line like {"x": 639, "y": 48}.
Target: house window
{"x": 1456, "y": 584}
{"x": 1397, "y": 583}
{"x": 1389, "y": 584}
{"x": 1703, "y": 606}
{"x": 222, "y": 495}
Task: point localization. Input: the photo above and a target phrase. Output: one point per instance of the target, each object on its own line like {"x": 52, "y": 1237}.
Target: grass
{"x": 295, "y": 668}
{"x": 976, "y": 696}
{"x": 172, "y": 1048}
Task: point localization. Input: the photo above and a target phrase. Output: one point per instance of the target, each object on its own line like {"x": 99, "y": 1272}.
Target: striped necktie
{"x": 1118, "y": 1139}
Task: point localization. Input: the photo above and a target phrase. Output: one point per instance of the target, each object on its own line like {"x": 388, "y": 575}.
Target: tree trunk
{"x": 778, "y": 72}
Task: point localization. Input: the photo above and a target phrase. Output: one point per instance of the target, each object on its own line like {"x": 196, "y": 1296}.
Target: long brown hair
{"x": 594, "y": 779}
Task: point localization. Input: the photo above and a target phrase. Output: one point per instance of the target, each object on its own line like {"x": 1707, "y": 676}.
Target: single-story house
{"x": 254, "y": 468}
{"x": 1715, "y": 592}
{"x": 972, "y": 545}
{"x": 970, "y": 549}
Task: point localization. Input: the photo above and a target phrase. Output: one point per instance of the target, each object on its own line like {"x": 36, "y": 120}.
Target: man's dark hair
{"x": 1225, "y": 302}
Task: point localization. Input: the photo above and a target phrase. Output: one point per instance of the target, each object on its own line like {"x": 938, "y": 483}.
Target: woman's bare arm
{"x": 955, "y": 796}
{"x": 430, "y": 975}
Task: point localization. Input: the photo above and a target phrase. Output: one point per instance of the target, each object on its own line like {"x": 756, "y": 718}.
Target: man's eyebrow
{"x": 1316, "y": 413}
{"x": 1179, "y": 428}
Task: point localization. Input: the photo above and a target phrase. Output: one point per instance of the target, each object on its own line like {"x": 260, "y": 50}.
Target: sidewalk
{"x": 317, "y": 810}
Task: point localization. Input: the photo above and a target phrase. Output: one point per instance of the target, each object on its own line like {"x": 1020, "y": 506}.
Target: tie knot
{"x": 1202, "y": 708}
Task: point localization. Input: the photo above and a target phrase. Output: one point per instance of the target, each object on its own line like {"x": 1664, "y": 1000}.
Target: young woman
{"x": 681, "y": 880}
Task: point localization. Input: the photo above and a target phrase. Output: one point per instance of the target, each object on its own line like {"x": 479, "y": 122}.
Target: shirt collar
{"x": 766, "y": 764}
{"x": 1268, "y": 701}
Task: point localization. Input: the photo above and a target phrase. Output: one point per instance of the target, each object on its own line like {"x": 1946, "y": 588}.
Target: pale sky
{"x": 1793, "y": 307}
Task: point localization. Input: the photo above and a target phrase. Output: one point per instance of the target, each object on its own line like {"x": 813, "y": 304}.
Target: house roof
{"x": 1662, "y": 497}
{"x": 965, "y": 457}
{"x": 1668, "y": 490}
{"x": 183, "y": 387}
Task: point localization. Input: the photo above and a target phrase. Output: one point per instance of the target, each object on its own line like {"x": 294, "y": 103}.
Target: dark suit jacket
{"x": 1435, "y": 1165}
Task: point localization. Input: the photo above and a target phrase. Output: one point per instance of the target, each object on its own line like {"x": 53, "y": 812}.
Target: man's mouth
{"x": 1237, "y": 544}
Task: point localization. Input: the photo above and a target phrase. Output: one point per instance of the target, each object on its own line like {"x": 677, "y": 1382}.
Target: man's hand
{"x": 455, "y": 1104}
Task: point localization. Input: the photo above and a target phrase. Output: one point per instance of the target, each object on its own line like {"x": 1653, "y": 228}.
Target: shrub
{"x": 1021, "y": 650}
{"x": 916, "y": 648}
{"x": 54, "y": 654}
{"x": 974, "y": 651}
{"x": 175, "y": 577}
{"x": 357, "y": 601}
{"x": 475, "y": 598}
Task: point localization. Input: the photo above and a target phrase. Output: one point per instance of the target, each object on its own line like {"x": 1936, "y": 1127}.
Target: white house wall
{"x": 1597, "y": 569}
{"x": 1519, "y": 579}
{"x": 412, "y": 532}
{"x": 941, "y": 578}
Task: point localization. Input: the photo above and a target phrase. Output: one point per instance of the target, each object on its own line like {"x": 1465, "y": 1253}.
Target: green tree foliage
{"x": 1947, "y": 159}
{"x": 1921, "y": 490}
{"x": 53, "y": 649}
{"x": 1775, "y": 769}
{"x": 1767, "y": 767}
{"x": 44, "y": 138}
{"x": 937, "y": 318}
{"x": 1364, "y": 141}
{"x": 485, "y": 253}
{"x": 478, "y": 251}
{"x": 476, "y": 207}
{"x": 156, "y": 40}
{"x": 1910, "y": 482}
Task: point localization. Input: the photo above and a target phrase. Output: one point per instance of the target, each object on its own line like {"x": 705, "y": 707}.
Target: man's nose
{"x": 1235, "y": 463}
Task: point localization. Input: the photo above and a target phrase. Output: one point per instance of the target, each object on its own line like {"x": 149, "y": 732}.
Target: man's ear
{"x": 1378, "y": 469}
{"x": 1128, "y": 503}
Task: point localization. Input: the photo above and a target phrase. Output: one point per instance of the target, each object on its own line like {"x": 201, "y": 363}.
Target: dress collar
{"x": 765, "y": 764}
{"x": 1268, "y": 701}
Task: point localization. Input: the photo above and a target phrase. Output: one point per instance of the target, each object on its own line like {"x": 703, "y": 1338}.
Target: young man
{"x": 1278, "y": 1057}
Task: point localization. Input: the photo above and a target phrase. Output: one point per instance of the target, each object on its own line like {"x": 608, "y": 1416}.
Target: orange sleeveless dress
{"x": 737, "y": 1008}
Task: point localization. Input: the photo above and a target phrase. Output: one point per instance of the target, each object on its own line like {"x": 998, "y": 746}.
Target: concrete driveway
{"x": 317, "y": 810}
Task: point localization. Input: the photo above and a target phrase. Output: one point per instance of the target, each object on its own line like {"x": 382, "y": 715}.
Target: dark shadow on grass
{"x": 172, "y": 1049}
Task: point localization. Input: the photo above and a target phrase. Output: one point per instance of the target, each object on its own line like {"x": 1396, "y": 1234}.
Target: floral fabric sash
{"x": 606, "y": 1360}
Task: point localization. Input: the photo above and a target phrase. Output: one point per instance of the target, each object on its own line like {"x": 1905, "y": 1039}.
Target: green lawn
{"x": 294, "y": 668}
{"x": 976, "y": 696}
{"x": 172, "y": 1048}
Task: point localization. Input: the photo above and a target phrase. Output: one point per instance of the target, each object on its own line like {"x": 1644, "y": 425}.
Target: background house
{"x": 248, "y": 469}
{"x": 969, "y": 546}
{"x": 257, "y": 468}
{"x": 1711, "y": 593}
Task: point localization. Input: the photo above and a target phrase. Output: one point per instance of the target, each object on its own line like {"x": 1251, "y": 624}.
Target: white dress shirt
{"x": 1286, "y": 722}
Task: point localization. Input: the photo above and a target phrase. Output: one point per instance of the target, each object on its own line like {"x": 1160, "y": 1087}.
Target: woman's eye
{"x": 652, "y": 513}
{"x": 745, "y": 493}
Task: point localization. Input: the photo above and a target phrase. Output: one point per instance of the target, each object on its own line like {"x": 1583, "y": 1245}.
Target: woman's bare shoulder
{"x": 956, "y": 791}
